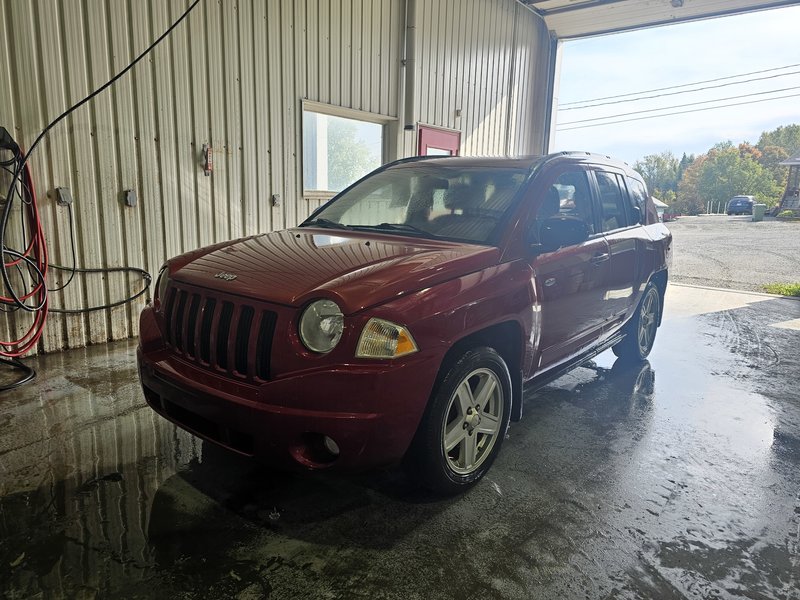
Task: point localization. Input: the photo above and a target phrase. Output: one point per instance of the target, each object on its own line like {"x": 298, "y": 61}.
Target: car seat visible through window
{"x": 551, "y": 204}
{"x": 464, "y": 221}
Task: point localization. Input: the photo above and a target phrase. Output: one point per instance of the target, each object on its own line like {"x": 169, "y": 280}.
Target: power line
{"x": 672, "y": 87}
{"x": 640, "y": 112}
{"x": 682, "y": 112}
{"x": 709, "y": 87}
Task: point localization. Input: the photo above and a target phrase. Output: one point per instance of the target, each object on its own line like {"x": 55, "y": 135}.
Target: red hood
{"x": 358, "y": 270}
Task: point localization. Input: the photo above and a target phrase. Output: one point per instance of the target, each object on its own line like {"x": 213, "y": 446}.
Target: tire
{"x": 640, "y": 331}
{"x": 464, "y": 424}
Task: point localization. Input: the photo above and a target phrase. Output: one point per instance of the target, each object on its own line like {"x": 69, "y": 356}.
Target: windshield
{"x": 456, "y": 203}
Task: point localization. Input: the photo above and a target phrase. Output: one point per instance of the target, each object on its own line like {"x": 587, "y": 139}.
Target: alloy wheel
{"x": 648, "y": 321}
{"x": 472, "y": 421}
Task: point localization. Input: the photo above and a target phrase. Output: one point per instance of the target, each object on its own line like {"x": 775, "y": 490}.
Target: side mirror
{"x": 558, "y": 232}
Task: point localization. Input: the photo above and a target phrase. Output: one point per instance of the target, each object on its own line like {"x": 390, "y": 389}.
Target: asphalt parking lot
{"x": 735, "y": 252}
{"x": 678, "y": 478}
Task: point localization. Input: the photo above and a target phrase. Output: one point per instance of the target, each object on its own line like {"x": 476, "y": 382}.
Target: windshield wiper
{"x": 404, "y": 227}
{"x": 326, "y": 223}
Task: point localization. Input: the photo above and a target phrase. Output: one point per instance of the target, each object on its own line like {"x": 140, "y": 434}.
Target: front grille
{"x": 230, "y": 337}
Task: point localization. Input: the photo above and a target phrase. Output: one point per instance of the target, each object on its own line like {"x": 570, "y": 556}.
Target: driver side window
{"x": 569, "y": 198}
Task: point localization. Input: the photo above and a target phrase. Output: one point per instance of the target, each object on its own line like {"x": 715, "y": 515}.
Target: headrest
{"x": 464, "y": 196}
{"x": 551, "y": 203}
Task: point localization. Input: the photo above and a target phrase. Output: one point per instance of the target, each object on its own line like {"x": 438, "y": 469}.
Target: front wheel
{"x": 640, "y": 332}
{"x": 465, "y": 422}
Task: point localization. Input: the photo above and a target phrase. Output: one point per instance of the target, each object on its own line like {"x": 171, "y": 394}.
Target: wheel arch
{"x": 506, "y": 339}
{"x": 659, "y": 279}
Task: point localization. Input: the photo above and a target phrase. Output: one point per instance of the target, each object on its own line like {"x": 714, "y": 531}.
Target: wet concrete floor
{"x": 676, "y": 479}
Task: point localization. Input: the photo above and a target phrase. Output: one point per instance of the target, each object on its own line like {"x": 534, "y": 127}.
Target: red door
{"x": 572, "y": 282}
{"x": 438, "y": 142}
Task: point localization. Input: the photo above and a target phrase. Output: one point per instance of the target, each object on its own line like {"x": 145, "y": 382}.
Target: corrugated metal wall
{"x": 488, "y": 60}
{"x": 233, "y": 75}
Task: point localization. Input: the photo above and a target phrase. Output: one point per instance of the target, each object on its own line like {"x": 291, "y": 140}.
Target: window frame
{"x": 345, "y": 113}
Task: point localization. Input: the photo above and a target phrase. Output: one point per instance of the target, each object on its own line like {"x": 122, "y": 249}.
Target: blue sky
{"x": 676, "y": 55}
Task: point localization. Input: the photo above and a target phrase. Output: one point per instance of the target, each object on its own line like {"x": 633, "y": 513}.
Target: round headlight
{"x": 321, "y": 326}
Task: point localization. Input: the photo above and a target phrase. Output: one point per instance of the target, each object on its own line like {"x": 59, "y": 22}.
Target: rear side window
{"x": 613, "y": 197}
{"x": 638, "y": 199}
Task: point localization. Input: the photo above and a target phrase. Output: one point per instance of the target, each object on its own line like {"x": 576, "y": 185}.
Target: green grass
{"x": 784, "y": 289}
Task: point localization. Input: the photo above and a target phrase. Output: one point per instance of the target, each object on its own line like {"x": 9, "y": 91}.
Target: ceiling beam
{"x": 582, "y": 18}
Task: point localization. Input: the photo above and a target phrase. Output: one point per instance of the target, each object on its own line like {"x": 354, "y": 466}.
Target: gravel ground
{"x": 734, "y": 252}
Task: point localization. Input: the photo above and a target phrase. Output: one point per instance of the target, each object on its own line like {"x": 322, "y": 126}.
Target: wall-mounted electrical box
{"x": 129, "y": 197}
{"x": 63, "y": 196}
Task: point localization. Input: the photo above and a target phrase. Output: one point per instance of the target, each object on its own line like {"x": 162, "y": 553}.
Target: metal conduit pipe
{"x": 553, "y": 81}
{"x": 511, "y": 79}
{"x": 410, "y": 62}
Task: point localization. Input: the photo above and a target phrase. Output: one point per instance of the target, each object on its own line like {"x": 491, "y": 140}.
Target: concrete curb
{"x": 732, "y": 291}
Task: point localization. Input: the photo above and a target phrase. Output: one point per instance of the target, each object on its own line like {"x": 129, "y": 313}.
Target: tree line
{"x": 688, "y": 184}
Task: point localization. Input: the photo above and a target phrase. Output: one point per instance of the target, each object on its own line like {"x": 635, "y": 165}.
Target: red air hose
{"x": 32, "y": 260}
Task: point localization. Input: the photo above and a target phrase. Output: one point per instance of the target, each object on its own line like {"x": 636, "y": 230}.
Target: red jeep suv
{"x": 402, "y": 319}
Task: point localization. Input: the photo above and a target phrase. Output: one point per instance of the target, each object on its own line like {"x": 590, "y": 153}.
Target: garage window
{"x": 339, "y": 147}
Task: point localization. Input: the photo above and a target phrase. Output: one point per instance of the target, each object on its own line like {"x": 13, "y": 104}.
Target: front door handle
{"x": 600, "y": 258}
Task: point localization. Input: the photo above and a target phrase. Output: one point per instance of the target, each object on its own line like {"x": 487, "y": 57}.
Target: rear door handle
{"x": 599, "y": 258}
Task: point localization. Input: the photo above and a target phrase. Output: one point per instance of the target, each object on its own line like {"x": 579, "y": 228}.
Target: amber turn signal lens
{"x": 384, "y": 339}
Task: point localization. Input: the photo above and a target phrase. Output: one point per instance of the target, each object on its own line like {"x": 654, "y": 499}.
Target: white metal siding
{"x": 488, "y": 60}
{"x": 234, "y": 76}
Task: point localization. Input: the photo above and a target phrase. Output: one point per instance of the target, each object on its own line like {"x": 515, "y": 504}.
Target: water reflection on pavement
{"x": 676, "y": 478}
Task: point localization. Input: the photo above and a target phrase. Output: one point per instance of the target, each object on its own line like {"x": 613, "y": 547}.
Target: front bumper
{"x": 370, "y": 411}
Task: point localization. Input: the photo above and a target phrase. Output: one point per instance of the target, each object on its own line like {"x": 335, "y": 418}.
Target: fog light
{"x": 330, "y": 445}
{"x": 315, "y": 450}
